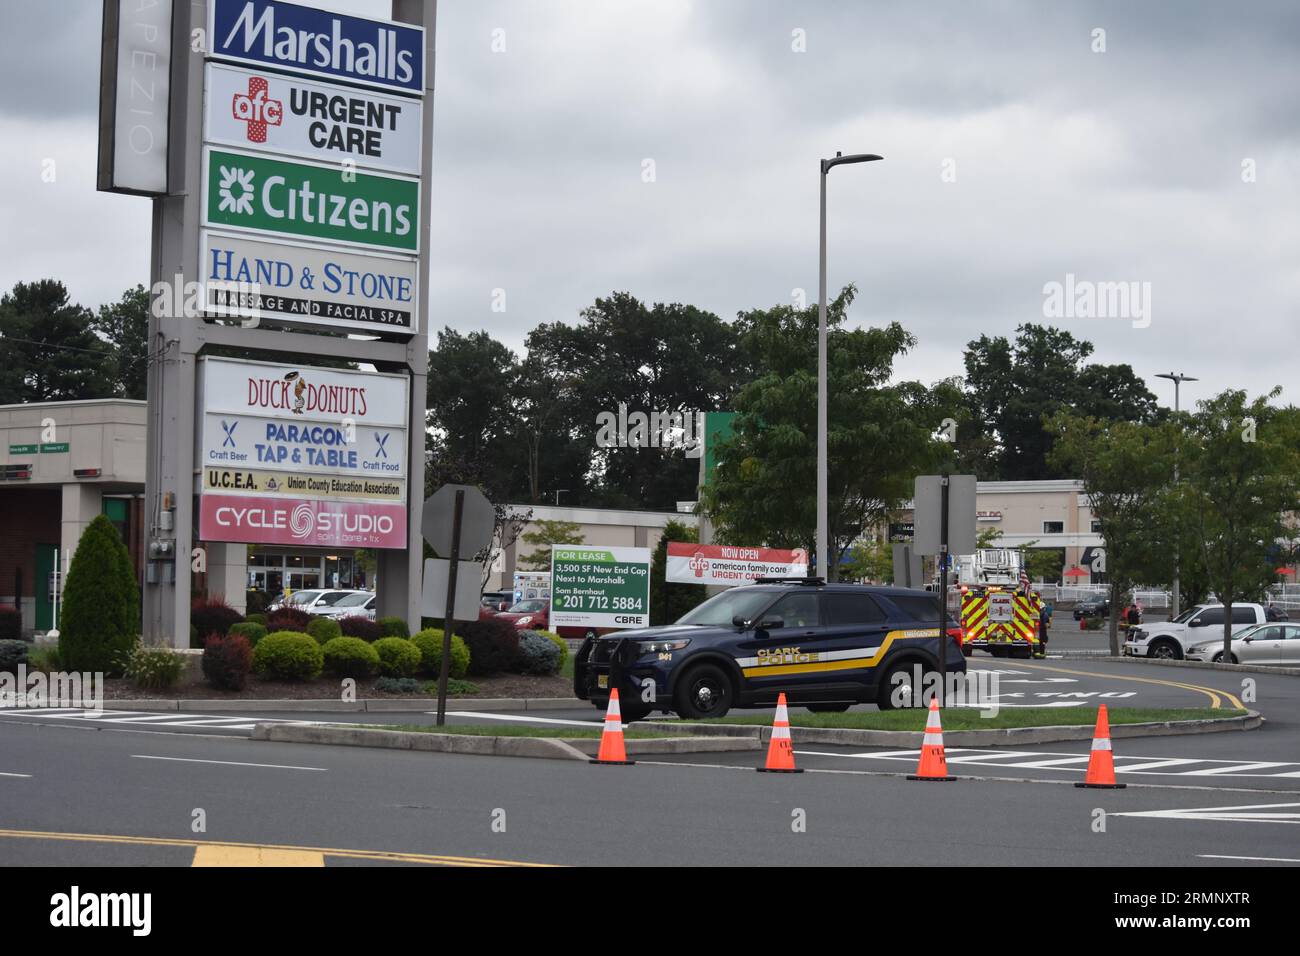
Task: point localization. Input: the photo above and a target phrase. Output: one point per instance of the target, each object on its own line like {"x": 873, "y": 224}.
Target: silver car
{"x": 1271, "y": 643}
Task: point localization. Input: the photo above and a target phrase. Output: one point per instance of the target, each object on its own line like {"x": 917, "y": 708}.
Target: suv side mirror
{"x": 740, "y": 622}
{"x": 1196, "y": 622}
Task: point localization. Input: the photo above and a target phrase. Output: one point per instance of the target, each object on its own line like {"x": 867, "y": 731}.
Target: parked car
{"x": 493, "y": 602}
{"x": 353, "y": 604}
{"x": 534, "y": 614}
{"x": 1092, "y": 607}
{"x": 1197, "y": 625}
{"x": 1268, "y": 643}
{"x": 311, "y": 600}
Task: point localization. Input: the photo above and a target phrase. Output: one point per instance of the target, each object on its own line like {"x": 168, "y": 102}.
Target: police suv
{"x": 827, "y": 646}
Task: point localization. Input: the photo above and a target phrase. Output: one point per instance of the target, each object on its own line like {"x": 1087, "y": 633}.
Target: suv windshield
{"x": 719, "y": 610}
{"x": 1186, "y": 615}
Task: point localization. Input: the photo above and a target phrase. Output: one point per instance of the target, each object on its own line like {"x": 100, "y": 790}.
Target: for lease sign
{"x": 301, "y": 39}
{"x": 248, "y": 191}
{"x": 727, "y": 565}
{"x": 308, "y": 285}
{"x": 258, "y": 109}
{"x": 316, "y": 522}
{"x": 600, "y": 587}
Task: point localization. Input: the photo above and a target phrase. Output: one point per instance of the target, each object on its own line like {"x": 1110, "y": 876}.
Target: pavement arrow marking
{"x": 1251, "y": 813}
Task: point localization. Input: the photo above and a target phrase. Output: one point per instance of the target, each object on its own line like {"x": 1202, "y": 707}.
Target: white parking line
{"x": 1257, "y": 859}
{"x": 525, "y": 720}
{"x": 24, "y": 776}
{"x": 229, "y": 763}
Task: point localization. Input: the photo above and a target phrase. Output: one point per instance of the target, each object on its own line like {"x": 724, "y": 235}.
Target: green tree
{"x": 661, "y": 357}
{"x": 125, "y": 326}
{"x": 51, "y": 353}
{"x": 101, "y": 602}
{"x": 880, "y": 436}
{"x": 1013, "y": 387}
{"x": 871, "y": 561}
{"x": 1240, "y": 470}
{"x": 471, "y": 378}
{"x": 1126, "y": 470}
{"x": 670, "y": 600}
{"x": 545, "y": 534}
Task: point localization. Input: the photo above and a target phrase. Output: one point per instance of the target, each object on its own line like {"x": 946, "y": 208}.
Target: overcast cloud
{"x": 1122, "y": 165}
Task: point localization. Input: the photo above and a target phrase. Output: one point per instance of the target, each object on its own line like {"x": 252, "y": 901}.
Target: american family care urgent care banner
{"x": 726, "y": 565}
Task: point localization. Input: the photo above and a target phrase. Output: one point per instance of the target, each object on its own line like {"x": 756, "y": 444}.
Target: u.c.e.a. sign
{"x": 380, "y": 53}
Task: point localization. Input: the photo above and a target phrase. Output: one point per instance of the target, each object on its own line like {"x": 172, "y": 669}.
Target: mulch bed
{"x": 499, "y": 685}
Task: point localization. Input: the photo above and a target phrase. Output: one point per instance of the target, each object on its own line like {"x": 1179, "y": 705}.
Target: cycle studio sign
{"x": 301, "y": 200}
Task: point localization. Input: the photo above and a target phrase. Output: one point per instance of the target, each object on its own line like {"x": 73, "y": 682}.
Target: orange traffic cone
{"x": 611, "y": 741}
{"x": 933, "y": 765}
{"x": 780, "y": 749}
{"x": 1101, "y": 761}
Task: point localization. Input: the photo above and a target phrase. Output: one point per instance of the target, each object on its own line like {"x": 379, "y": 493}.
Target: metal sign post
{"x": 449, "y": 621}
{"x": 943, "y": 590}
{"x": 944, "y": 510}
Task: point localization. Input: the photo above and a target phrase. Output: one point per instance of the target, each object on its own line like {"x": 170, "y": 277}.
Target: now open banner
{"x": 727, "y": 565}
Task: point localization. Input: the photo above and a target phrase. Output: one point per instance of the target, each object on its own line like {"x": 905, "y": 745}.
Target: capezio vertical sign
{"x": 600, "y": 587}
{"x": 269, "y": 33}
{"x": 135, "y": 97}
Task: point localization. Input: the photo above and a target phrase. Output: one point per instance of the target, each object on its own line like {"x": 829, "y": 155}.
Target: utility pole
{"x": 1178, "y": 380}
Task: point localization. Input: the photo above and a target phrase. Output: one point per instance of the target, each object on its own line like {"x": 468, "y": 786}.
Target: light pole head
{"x": 840, "y": 160}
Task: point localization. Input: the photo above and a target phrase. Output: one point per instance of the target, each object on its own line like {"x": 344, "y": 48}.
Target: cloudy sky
{"x": 1017, "y": 151}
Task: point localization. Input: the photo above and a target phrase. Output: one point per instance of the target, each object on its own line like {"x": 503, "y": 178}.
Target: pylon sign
{"x": 294, "y": 198}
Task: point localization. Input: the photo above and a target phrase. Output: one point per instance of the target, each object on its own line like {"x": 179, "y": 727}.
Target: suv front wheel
{"x": 1165, "y": 650}
{"x": 703, "y": 691}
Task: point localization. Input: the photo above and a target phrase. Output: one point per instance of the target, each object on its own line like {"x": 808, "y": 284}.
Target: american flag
{"x": 1024, "y": 581}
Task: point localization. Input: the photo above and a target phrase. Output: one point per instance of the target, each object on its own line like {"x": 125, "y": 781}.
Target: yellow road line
{"x": 1216, "y": 701}
{"x": 385, "y": 855}
{"x": 248, "y": 856}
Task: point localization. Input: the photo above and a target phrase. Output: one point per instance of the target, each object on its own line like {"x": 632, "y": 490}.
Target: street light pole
{"x": 1177, "y": 380}
{"x": 823, "y": 496}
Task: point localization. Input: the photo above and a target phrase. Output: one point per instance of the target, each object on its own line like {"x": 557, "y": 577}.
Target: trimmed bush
{"x": 258, "y": 618}
{"x": 358, "y": 626}
{"x": 537, "y": 655}
{"x": 398, "y": 657}
{"x": 350, "y": 657}
{"x": 213, "y": 616}
{"x": 393, "y": 627}
{"x": 249, "y": 630}
{"x": 11, "y": 624}
{"x": 429, "y": 641}
{"x": 402, "y": 685}
{"x": 227, "y": 661}
{"x": 493, "y": 646}
{"x": 324, "y": 629}
{"x": 288, "y": 655}
{"x": 288, "y": 619}
{"x": 101, "y": 602}
{"x": 256, "y": 602}
{"x": 44, "y": 659}
{"x": 560, "y": 643}
{"x": 12, "y": 653}
{"x": 153, "y": 668}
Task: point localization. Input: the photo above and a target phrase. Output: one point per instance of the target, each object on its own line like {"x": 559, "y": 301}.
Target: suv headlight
{"x": 655, "y": 647}
{"x": 526, "y": 619}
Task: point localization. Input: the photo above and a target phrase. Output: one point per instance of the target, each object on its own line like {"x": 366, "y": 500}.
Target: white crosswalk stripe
{"x": 1145, "y": 765}
{"x": 145, "y": 718}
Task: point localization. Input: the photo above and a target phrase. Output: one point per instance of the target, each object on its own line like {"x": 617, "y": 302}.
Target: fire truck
{"x": 996, "y": 614}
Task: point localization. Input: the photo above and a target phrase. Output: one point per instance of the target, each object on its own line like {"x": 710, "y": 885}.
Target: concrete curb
{"x": 1208, "y": 665}
{"x": 984, "y": 738}
{"x": 332, "y": 705}
{"x": 553, "y": 748}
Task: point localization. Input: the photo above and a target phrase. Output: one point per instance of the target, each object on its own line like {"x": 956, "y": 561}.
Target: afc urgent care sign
{"x": 727, "y": 565}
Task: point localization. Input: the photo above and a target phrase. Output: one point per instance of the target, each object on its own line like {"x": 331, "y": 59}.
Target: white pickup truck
{"x": 1170, "y": 639}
